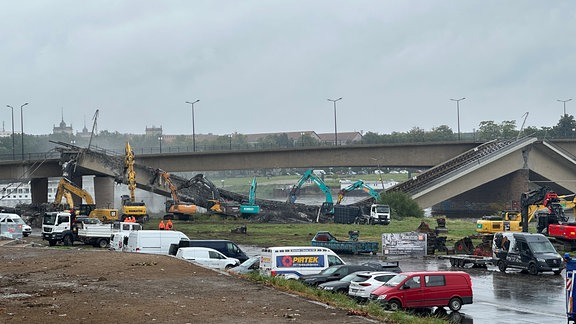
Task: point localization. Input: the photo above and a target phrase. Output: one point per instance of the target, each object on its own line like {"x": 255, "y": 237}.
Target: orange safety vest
{"x": 169, "y": 225}
{"x": 161, "y": 225}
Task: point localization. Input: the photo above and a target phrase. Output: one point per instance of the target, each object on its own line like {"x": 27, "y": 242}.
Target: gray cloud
{"x": 267, "y": 66}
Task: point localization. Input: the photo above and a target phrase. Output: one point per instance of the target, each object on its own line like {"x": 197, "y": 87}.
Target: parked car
{"x": 15, "y": 219}
{"x": 361, "y": 289}
{"x": 226, "y": 247}
{"x": 341, "y": 286}
{"x": 207, "y": 257}
{"x": 252, "y": 264}
{"x": 333, "y": 273}
{"x": 426, "y": 289}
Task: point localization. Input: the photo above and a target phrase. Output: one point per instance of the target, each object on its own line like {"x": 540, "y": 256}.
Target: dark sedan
{"x": 341, "y": 286}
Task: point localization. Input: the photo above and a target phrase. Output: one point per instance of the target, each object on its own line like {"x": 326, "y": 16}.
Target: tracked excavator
{"x": 249, "y": 207}
{"x": 131, "y": 207}
{"x": 66, "y": 187}
{"x": 176, "y": 208}
{"x": 328, "y": 206}
{"x": 356, "y": 185}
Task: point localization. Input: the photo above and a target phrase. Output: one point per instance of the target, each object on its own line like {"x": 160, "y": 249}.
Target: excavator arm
{"x": 356, "y": 185}
{"x": 327, "y": 206}
{"x": 533, "y": 201}
{"x": 252, "y": 194}
{"x": 66, "y": 185}
{"x": 130, "y": 173}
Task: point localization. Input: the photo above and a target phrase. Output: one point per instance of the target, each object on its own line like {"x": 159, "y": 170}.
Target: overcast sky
{"x": 270, "y": 66}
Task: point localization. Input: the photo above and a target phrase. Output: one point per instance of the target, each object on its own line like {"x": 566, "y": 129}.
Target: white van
{"x": 207, "y": 257}
{"x": 152, "y": 241}
{"x": 291, "y": 262}
{"x": 13, "y": 226}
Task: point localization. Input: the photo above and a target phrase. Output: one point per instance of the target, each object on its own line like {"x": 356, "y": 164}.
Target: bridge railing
{"x": 30, "y": 156}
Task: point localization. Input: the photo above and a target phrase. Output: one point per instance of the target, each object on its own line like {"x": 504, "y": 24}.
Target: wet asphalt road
{"x": 506, "y": 298}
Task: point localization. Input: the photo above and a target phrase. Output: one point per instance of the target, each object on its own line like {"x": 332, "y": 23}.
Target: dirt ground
{"x": 39, "y": 284}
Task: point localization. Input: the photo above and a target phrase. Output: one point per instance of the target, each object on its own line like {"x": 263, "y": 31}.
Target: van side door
{"x": 526, "y": 254}
{"x": 434, "y": 291}
{"x": 412, "y": 292}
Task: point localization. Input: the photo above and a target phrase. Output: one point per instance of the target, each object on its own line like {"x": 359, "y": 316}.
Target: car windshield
{"x": 18, "y": 221}
{"x": 397, "y": 279}
{"x": 49, "y": 219}
{"x": 542, "y": 247}
{"x": 382, "y": 209}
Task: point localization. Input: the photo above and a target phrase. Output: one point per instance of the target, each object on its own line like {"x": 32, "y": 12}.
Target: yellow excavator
{"x": 66, "y": 188}
{"x": 131, "y": 207}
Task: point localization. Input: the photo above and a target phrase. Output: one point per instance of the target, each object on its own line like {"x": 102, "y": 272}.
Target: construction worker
{"x": 169, "y": 225}
{"x": 161, "y": 225}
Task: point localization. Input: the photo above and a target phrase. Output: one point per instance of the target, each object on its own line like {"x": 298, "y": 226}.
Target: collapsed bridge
{"x": 198, "y": 190}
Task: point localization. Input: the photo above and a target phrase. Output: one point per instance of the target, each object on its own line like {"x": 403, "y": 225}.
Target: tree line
{"x": 150, "y": 144}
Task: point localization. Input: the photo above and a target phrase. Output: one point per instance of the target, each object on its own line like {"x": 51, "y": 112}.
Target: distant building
{"x": 63, "y": 128}
{"x": 3, "y": 132}
{"x": 153, "y": 131}
{"x": 84, "y": 133}
{"x": 344, "y": 138}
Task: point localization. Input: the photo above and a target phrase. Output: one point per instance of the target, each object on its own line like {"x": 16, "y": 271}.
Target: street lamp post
{"x": 564, "y": 102}
{"x": 13, "y": 137}
{"x": 458, "y": 113}
{"x": 230, "y": 137}
{"x": 335, "y": 124}
{"x": 302, "y": 138}
{"x": 160, "y": 140}
{"x": 22, "y": 126}
{"x": 193, "y": 130}
{"x": 379, "y": 172}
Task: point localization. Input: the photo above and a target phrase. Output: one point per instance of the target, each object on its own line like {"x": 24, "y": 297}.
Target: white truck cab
{"x": 379, "y": 214}
{"x": 58, "y": 226}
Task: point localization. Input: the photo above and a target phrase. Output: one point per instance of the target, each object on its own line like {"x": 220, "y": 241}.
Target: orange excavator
{"x": 175, "y": 208}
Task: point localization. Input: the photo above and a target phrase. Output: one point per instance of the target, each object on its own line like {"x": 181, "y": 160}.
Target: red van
{"x": 425, "y": 289}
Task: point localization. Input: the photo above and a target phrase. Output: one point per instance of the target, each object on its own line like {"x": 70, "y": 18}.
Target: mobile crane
{"x": 250, "y": 207}
{"x": 131, "y": 207}
{"x": 328, "y": 206}
{"x": 89, "y": 208}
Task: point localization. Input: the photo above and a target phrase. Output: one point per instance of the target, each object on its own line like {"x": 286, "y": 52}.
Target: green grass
{"x": 264, "y": 234}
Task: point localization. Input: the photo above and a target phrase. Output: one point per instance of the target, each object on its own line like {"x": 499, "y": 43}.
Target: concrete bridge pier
{"x": 39, "y": 190}
{"x": 104, "y": 192}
